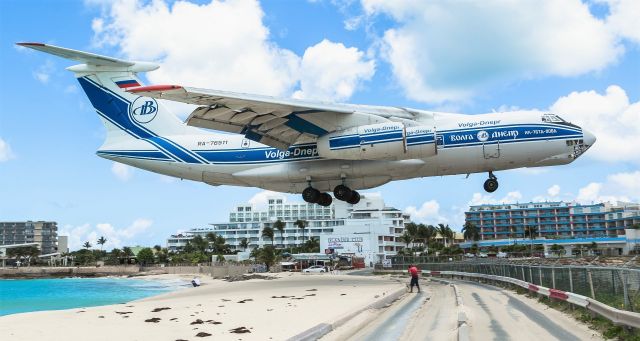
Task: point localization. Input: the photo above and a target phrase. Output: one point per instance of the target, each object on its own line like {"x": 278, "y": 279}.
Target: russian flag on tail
{"x": 129, "y": 83}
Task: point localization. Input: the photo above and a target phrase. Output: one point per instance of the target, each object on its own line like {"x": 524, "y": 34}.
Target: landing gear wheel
{"x": 355, "y": 198}
{"x": 342, "y": 192}
{"x": 491, "y": 185}
{"x": 325, "y": 199}
{"x": 311, "y": 195}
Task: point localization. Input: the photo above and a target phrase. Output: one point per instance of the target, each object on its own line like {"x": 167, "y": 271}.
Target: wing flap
{"x": 269, "y": 120}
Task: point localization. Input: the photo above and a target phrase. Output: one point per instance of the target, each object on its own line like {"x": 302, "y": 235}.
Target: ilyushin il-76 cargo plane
{"x": 306, "y": 147}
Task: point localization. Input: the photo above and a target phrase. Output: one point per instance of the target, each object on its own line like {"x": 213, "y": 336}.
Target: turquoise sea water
{"x": 24, "y": 295}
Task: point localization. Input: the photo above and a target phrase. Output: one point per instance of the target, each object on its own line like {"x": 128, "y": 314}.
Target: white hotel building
{"x": 368, "y": 229}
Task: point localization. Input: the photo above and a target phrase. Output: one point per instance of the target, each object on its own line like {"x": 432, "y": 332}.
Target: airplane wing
{"x": 272, "y": 121}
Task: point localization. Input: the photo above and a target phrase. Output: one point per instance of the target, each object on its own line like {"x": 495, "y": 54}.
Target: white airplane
{"x": 306, "y": 147}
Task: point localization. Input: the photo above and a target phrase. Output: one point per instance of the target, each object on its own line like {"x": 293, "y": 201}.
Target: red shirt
{"x": 413, "y": 271}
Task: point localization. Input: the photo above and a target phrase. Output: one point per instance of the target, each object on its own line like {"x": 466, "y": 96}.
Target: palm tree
{"x": 255, "y": 253}
{"x": 102, "y": 240}
{"x": 244, "y": 243}
{"x": 312, "y": 245}
{"x": 444, "y": 232}
{"x": 412, "y": 229}
{"x": 530, "y": 231}
{"x": 86, "y": 245}
{"x": 406, "y": 238}
{"x": 470, "y": 231}
{"x": 279, "y": 225}
{"x": 426, "y": 233}
{"x": 267, "y": 232}
{"x": 301, "y": 224}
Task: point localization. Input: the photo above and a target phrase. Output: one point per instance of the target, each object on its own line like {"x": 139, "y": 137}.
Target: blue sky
{"x": 580, "y": 59}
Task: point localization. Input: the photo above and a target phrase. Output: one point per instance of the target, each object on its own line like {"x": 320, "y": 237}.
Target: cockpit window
{"x": 552, "y": 118}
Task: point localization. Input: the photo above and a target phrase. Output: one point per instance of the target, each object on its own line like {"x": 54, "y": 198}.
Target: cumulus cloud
{"x": 428, "y": 212}
{"x": 116, "y": 237}
{"x": 225, "y": 45}
{"x": 44, "y": 71}
{"x": 448, "y": 50}
{"x": 553, "y": 191}
{"x": 122, "y": 171}
{"x": 610, "y": 116}
{"x": 331, "y": 71}
{"x": 6, "y": 153}
{"x": 617, "y": 187}
{"x": 482, "y": 199}
{"x": 260, "y": 199}
{"x": 623, "y": 18}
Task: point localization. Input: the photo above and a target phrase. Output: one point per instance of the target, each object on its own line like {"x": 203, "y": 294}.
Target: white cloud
{"x": 617, "y": 187}
{"x": 483, "y": 199}
{"x": 448, "y": 50}
{"x": 121, "y": 171}
{"x": 610, "y": 116}
{"x": 6, "y": 153}
{"x": 225, "y": 45}
{"x": 429, "y": 212}
{"x": 623, "y": 18}
{"x": 116, "y": 237}
{"x": 44, "y": 71}
{"x": 261, "y": 198}
{"x": 221, "y": 45}
{"x": 331, "y": 71}
{"x": 553, "y": 190}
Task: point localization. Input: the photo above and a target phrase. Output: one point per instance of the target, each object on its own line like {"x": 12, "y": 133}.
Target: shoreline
{"x": 259, "y": 308}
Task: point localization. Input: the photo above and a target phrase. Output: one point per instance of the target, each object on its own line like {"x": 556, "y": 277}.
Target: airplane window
{"x": 552, "y": 118}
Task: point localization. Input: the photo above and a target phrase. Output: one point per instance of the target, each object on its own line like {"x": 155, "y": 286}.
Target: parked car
{"x": 483, "y": 255}
{"x": 502, "y": 255}
{"x": 315, "y": 268}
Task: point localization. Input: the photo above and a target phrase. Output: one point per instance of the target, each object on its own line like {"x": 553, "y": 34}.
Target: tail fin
{"x": 105, "y": 80}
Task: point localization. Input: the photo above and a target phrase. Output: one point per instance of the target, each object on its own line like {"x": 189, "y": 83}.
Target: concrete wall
{"x": 40, "y": 272}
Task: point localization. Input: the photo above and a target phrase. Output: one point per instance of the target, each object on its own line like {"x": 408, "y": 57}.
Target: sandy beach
{"x": 256, "y": 309}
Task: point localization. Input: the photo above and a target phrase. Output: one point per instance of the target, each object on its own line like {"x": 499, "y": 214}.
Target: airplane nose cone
{"x": 588, "y": 138}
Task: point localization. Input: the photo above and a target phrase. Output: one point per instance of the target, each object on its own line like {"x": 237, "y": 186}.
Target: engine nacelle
{"x": 381, "y": 141}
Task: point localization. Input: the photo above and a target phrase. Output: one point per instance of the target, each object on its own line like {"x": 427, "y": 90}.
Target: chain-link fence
{"x": 616, "y": 287}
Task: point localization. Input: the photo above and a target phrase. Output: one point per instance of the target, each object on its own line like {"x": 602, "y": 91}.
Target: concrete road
{"x": 496, "y": 314}
{"x": 493, "y": 314}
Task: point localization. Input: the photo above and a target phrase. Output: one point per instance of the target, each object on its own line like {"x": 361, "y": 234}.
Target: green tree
{"x": 86, "y": 245}
{"x": 268, "y": 256}
{"x": 531, "y": 231}
{"x": 255, "y": 253}
{"x": 302, "y": 224}
{"x": 145, "y": 256}
{"x": 267, "y": 232}
{"x": 244, "y": 243}
{"x": 127, "y": 253}
{"x": 220, "y": 258}
{"x": 426, "y": 233}
{"x": 470, "y": 231}
{"x": 158, "y": 248}
{"x": 411, "y": 229}
{"x": 199, "y": 244}
{"x": 102, "y": 240}
{"x": 406, "y": 238}
{"x": 443, "y": 230}
{"x": 280, "y": 225}
{"x": 312, "y": 245}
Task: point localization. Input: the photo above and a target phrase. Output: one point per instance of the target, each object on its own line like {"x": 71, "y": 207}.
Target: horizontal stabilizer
{"x": 91, "y": 61}
{"x": 80, "y": 56}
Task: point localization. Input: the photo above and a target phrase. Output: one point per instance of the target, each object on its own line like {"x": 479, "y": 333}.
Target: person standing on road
{"x": 413, "y": 271}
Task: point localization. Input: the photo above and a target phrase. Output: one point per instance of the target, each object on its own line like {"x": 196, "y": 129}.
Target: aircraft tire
{"x": 311, "y": 195}
{"x": 355, "y": 198}
{"x": 325, "y": 199}
{"x": 491, "y": 185}
{"x": 342, "y": 192}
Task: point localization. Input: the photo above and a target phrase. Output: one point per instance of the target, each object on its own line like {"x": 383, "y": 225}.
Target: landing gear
{"x": 491, "y": 185}
{"x": 325, "y": 199}
{"x": 355, "y": 198}
{"x": 313, "y": 196}
{"x": 344, "y": 193}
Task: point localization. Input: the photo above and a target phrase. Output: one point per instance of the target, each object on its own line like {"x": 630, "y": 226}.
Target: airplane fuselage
{"x": 458, "y": 144}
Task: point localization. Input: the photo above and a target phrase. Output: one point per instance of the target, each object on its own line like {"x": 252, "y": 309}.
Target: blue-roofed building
{"x": 557, "y": 223}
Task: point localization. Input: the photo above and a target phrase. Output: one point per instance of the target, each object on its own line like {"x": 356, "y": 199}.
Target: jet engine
{"x": 381, "y": 141}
